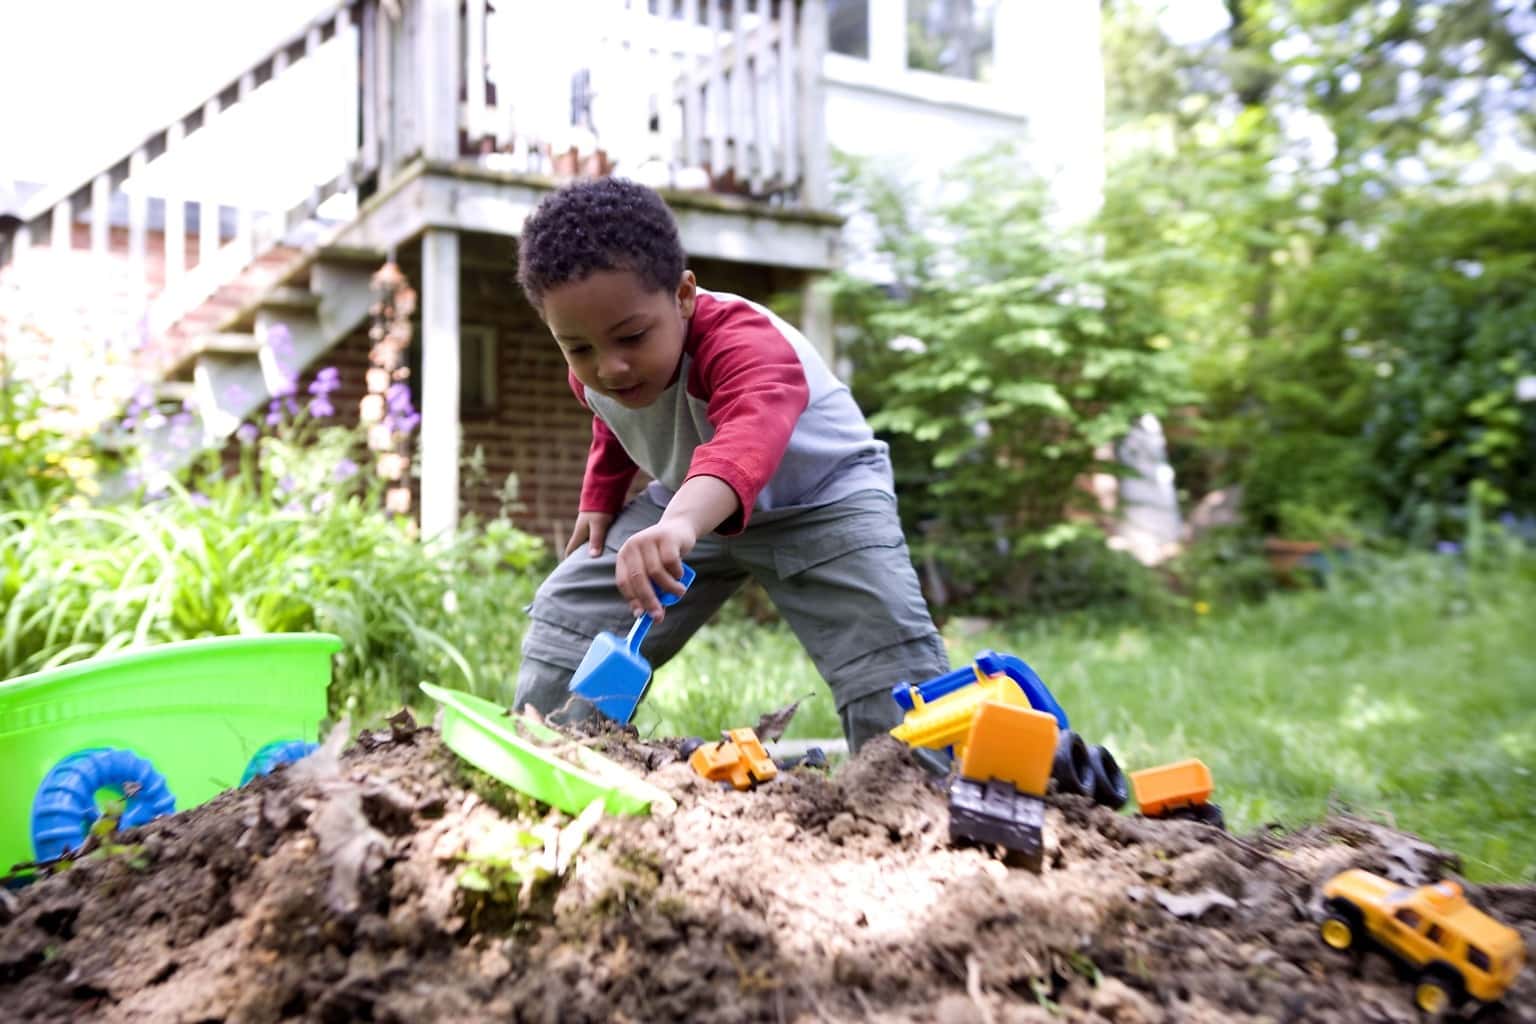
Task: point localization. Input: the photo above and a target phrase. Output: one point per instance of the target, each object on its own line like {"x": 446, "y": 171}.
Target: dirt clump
{"x": 390, "y": 883}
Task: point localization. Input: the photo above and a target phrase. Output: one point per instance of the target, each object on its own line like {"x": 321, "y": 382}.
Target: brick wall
{"x": 536, "y": 429}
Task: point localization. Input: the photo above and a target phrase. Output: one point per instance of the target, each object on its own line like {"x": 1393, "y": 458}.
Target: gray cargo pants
{"x": 839, "y": 574}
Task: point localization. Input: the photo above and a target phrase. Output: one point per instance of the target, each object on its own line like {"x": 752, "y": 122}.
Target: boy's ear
{"x": 687, "y": 292}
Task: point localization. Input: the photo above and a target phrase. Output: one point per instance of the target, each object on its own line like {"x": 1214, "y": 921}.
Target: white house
{"x": 446, "y": 122}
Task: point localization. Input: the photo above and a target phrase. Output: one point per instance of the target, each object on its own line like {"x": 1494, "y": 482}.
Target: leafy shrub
{"x": 1085, "y": 573}
{"x": 291, "y": 540}
{"x": 1224, "y": 566}
{"x": 42, "y": 464}
{"x": 1450, "y": 333}
{"x": 1004, "y": 353}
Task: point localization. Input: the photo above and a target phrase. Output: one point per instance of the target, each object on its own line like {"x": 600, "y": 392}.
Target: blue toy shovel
{"x": 613, "y": 675}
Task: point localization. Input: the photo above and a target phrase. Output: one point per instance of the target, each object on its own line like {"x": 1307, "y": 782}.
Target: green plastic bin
{"x": 198, "y": 710}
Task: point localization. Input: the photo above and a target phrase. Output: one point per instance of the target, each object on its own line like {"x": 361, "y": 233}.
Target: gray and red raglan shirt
{"x": 753, "y": 404}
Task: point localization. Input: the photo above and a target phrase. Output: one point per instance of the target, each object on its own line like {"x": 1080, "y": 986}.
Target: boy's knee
{"x": 866, "y": 717}
{"x": 542, "y": 685}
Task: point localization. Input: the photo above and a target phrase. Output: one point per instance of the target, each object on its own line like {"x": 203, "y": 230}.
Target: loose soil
{"x": 339, "y": 892}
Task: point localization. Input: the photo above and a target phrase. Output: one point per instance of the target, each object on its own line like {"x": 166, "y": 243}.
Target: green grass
{"x": 1406, "y": 691}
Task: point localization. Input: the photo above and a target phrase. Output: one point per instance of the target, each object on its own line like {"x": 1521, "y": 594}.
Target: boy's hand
{"x": 654, "y": 556}
{"x": 591, "y": 528}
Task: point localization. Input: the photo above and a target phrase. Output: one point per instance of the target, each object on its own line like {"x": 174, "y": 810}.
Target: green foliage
{"x": 293, "y": 540}
{"x": 42, "y": 465}
{"x": 1224, "y": 567}
{"x": 1005, "y": 353}
{"x": 1450, "y": 332}
{"x": 1354, "y": 325}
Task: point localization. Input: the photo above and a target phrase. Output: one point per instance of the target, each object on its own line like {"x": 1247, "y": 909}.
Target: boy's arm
{"x": 757, "y": 390}
{"x": 653, "y": 557}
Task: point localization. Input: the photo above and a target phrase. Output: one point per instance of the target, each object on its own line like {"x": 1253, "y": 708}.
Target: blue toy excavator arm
{"x": 934, "y": 688}
{"x": 988, "y": 663}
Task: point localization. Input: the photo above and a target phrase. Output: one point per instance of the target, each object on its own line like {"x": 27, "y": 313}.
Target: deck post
{"x": 440, "y": 74}
{"x": 439, "y": 383}
{"x": 815, "y": 189}
{"x": 816, "y": 317}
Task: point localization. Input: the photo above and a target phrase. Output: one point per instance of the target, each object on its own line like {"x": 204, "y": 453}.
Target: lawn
{"x": 1405, "y": 690}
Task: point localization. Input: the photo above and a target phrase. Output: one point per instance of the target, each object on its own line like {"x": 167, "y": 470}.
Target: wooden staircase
{"x": 212, "y": 295}
{"x": 236, "y": 367}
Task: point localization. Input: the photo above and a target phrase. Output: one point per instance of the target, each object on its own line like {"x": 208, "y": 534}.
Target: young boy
{"x": 761, "y": 466}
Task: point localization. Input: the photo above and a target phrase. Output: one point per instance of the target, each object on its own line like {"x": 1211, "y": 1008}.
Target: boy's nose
{"x": 612, "y": 367}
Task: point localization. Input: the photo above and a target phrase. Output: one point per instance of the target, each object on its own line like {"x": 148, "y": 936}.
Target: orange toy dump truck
{"x": 1178, "y": 790}
{"x": 1458, "y": 951}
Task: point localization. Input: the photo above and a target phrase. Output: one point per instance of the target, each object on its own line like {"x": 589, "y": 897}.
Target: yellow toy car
{"x": 1458, "y": 951}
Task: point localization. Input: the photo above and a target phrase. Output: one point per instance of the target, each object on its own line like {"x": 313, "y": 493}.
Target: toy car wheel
{"x": 1338, "y": 932}
{"x": 1109, "y": 785}
{"x": 1436, "y": 991}
{"x": 1073, "y": 767}
{"x": 66, "y": 804}
{"x": 1210, "y": 814}
{"x": 274, "y": 754}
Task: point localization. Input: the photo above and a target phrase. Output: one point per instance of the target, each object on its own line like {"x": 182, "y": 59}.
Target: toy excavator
{"x": 1012, "y": 739}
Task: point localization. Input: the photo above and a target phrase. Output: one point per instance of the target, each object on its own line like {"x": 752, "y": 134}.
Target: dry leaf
{"x": 569, "y": 839}
{"x": 402, "y": 725}
{"x": 771, "y": 726}
{"x": 1194, "y": 905}
{"x": 351, "y": 845}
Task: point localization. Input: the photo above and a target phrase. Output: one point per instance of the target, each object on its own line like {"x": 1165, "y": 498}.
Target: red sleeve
{"x": 755, "y": 386}
{"x": 610, "y": 470}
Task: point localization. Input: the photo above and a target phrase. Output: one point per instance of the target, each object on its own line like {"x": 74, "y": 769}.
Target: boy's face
{"x": 621, "y": 338}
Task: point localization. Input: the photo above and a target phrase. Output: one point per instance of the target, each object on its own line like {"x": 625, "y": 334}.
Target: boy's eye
{"x": 631, "y": 338}
{"x": 577, "y": 350}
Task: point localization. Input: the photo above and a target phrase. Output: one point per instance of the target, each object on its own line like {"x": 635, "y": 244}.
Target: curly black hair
{"x": 603, "y": 224}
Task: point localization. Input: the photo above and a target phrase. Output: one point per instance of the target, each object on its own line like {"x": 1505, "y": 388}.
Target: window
{"x": 848, "y": 27}
{"x": 1435, "y": 935}
{"x": 1408, "y": 917}
{"x": 1477, "y": 958}
{"x": 951, "y": 37}
{"x": 477, "y": 371}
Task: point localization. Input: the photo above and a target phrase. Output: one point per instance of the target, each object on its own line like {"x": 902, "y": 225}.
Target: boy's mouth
{"x": 626, "y": 391}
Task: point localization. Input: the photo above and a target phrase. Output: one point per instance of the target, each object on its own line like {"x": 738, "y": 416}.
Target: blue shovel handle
{"x": 642, "y": 624}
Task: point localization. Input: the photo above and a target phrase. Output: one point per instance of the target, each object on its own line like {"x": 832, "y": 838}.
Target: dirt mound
{"x": 394, "y": 885}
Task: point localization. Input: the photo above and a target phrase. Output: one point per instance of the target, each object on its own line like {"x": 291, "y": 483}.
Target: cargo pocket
{"x": 844, "y": 539}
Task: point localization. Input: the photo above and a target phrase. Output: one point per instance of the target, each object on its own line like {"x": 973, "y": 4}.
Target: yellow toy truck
{"x": 1458, "y": 951}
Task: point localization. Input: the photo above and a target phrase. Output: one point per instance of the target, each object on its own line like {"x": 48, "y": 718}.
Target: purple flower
{"x": 199, "y": 499}
{"x": 320, "y": 407}
{"x": 346, "y": 469}
{"x": 247, "y": 433}
{"x": 326, "y": 381}
{"x": 1448, "y": 547}
{"x": 143, "y": 398}
{"x": 280, "y": 343}
{"x": 400, "y": 416}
